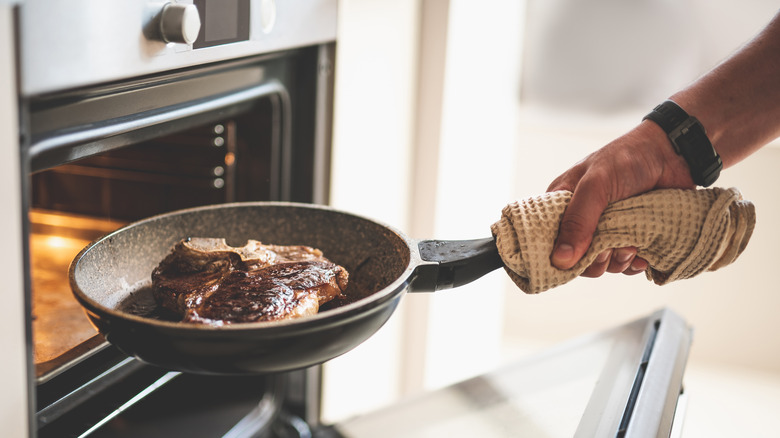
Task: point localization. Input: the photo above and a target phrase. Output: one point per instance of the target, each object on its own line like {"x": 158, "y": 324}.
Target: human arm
{"x": 737, "y": 102}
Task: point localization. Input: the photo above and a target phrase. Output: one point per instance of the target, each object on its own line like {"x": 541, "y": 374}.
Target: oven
{"x": 132, "y": 109}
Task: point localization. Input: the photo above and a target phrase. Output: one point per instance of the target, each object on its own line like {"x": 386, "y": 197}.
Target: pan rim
{"x": 352, "y": 310}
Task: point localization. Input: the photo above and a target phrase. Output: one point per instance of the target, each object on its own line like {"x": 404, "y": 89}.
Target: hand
{"x": 639, "y": 161}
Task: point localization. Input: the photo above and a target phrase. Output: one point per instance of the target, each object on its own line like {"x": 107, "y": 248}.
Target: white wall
{"x": 476, "y": 154}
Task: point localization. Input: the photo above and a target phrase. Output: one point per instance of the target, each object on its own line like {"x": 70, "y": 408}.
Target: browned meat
{"x": 207, "y": 281}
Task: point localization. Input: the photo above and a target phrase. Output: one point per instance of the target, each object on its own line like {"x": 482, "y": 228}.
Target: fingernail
{"x": 603, "y": 257}
{"x": 623, "y": 256}
{"x": 638, "y": 265}
{"x": 563, "y": 253}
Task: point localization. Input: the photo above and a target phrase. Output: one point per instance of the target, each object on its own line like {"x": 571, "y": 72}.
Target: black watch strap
{"x": 690, "y": 140}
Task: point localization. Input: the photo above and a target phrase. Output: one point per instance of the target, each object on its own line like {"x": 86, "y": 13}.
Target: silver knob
{"x": 179, "y": 23}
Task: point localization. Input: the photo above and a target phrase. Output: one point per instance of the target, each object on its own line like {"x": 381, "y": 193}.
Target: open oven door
{"x": 624, "y": 382}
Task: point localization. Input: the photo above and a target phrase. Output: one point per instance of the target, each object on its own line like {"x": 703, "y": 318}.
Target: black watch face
{"x": 696, "y": 152}
{"x": 703, "y": 162}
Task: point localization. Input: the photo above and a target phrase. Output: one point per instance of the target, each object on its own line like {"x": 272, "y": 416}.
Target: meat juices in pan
{"x": 207, "y": 281}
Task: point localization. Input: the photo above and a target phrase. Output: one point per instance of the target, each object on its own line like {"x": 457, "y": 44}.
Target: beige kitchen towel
{"x": 681, "y": 233}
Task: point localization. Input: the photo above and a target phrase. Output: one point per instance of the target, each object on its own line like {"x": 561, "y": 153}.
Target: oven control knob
{"x": 179, "y": 23}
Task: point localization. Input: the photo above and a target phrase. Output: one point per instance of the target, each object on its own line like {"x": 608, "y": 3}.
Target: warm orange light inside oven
{"x": 59, "y": 322}
{"x": 56, "y": 242}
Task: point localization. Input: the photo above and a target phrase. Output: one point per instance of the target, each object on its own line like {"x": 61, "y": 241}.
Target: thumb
{"x": 576, "y": 230}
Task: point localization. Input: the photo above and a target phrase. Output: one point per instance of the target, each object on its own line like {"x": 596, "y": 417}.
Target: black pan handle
{"x": 452, "y": 263}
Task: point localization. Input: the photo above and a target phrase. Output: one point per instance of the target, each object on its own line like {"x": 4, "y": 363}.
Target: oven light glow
{"x": 57, "y": 242}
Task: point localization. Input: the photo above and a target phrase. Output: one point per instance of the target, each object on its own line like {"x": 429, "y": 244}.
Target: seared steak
{"x": 207, "y": 281}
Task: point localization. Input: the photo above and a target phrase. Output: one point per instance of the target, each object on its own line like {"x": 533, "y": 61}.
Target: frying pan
{"x": 382, "y": 263}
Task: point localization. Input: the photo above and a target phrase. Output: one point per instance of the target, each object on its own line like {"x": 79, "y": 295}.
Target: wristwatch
{"x": 689, "y": 139}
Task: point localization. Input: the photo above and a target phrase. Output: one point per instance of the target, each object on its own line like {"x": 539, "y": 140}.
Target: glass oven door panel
{"x": 623, "y": 382}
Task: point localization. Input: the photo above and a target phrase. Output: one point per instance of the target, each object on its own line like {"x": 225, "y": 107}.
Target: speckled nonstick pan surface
{"x": 382, "y": 263}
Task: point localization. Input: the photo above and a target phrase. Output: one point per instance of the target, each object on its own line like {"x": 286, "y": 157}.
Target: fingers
{"x": 616, "y": 261}
{"x": 599, "y": 266}
{"x": 638, "y": 265}
{"x": 621, "y": 260}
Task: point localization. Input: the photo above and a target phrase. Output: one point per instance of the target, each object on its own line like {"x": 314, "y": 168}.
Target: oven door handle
{"x": 63, "y": 147}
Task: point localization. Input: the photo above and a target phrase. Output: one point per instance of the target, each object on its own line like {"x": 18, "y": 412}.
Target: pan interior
{"x": 120, "y": 265}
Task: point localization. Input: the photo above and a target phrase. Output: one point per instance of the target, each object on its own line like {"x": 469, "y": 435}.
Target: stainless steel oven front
{"x": 126, "y": 110}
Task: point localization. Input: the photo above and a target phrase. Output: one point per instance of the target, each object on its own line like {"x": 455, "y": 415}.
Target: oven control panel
{"x": 208, "y": 23}
{"x": 66, "y": 45}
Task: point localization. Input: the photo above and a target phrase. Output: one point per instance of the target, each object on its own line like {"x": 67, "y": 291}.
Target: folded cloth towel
{"x": 680, "y": 233}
